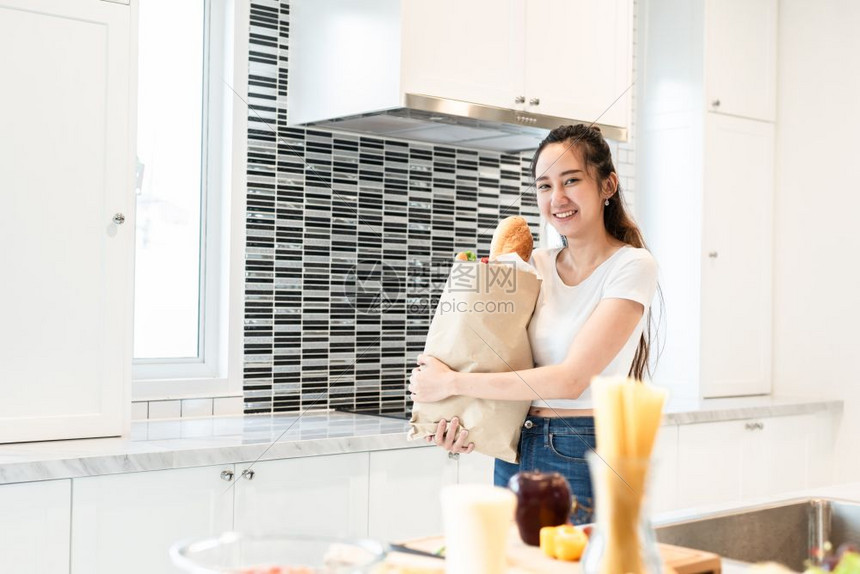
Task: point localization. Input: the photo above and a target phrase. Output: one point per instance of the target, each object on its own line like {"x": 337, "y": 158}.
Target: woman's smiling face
{"x": 568, "y": 196}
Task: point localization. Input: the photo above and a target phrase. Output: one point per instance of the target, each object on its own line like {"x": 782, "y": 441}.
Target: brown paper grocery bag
{"x": 480, "y": 326}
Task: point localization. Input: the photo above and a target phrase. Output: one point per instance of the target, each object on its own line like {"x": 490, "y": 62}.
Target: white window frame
{"x": 218, "y": 373}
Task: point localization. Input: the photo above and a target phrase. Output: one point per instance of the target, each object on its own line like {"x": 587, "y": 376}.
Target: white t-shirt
{"x": 562, "y": 310}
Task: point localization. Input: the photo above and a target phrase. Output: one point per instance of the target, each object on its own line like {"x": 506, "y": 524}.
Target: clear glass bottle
{"x": 623, "y": 540}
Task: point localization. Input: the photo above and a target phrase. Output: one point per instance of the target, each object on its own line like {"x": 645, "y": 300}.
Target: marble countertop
{"x": 182, "y": 443}
{"x": 691, "y": 411}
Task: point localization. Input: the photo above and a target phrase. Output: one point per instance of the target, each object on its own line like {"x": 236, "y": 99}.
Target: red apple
{"x": 543, "y": 499}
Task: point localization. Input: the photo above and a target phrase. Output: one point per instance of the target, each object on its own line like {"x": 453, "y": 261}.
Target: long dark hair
{"x": 595, "y": 153}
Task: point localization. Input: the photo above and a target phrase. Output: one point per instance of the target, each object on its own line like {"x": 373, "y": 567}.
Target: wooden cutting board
{"x": 524, "y": 559}
{"x": 690, "y": 561}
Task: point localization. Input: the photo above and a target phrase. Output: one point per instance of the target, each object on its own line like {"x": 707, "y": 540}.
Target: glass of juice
{"x": 477, "y": 519}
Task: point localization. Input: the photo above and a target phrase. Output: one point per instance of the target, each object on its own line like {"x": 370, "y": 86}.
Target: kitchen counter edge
{"x": 186, "y": 443}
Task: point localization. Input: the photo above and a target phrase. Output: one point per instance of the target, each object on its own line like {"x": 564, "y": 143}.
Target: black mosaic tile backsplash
{"x": 349, "y": 239}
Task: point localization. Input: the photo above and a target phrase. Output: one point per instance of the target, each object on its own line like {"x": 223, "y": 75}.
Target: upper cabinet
{"x": 467, "y": 51}
{"x": 492, "y": 69}
{"x": 513, "y": 55}
{"x": 66, "y": 218}
{"x": 740, "y": 58}
{"x": 579, "y": 60}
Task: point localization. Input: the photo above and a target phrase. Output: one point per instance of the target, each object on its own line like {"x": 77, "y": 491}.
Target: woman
{"x": 592, "y": 316}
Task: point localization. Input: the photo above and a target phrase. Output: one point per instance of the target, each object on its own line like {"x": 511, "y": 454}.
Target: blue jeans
{"x": 556, "y": 445}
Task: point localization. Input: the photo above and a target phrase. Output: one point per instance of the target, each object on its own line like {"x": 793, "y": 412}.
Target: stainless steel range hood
{"x": 352, "y": 67}
{"x": 462, "y": 124}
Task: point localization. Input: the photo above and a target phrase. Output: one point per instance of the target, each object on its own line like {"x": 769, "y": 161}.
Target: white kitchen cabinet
{"x": 585, "y": 74}
{"x": 127, "y": 523}
{"x": 383, "y": 494}
{"x": 34, "y": 527}
{"x": 510, "y": 55}
{"x": 67, "y": 258}
{"x": 778, "y": 456}
{"x": 481, "y": 58}
{"x": 822, "y": 456}
{"x": 705, "y": 197}
{"x": 317, "y": 495}
{"x": 707, "y": 216}
{"x": 663, "y": 482}
{"x": 710, "y": 459}
{"x": 740, "y": 57}
{"x": 405, "y": 485}
{"x": 733, "y": 461}
{"x": 737, "y": 237}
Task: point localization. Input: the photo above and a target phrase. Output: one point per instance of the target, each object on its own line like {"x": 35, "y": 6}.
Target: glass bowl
{"x": 234, "y": 553}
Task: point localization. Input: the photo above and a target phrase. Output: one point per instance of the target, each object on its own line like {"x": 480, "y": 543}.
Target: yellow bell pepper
{"x": 565, "y": 542}
{"x": 547, "y": 540}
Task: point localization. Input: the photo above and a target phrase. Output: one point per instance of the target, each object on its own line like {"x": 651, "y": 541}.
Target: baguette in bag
{"x": 480, "y": 326}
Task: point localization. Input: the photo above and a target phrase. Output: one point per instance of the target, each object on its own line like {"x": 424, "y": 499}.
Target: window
{"x": 188, "y": 290}
{"x": 170, "y": 250}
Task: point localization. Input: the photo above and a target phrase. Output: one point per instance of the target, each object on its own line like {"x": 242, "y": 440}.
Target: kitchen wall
{"x": 330, "y": 216}
{"x": 816, "y": 278}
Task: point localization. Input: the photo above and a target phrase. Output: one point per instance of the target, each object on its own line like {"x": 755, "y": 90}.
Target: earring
{"x": 606, "y": 203}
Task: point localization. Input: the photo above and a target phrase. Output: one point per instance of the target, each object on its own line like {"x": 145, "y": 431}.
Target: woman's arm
{"x": 601, "y": 338}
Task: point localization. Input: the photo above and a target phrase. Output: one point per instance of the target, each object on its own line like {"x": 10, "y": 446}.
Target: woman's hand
{"x": 451, "y": 437}
{"x": 431, "y": 381}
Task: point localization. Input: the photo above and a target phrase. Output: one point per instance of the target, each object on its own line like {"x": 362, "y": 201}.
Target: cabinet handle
{"x": 534, "y": 102}
{"x": 760, "y": 426}
{"x": 248, "y": 474}
{"x": 453, "y": 455}
{"x": 227, "y": 475}
{"x": 715, "y": 103}
{"x": 520, "y": 100}
{"x": 750, "y": 426}
{"x": 713, "y": 254}
{"x": 119, "y": 218}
